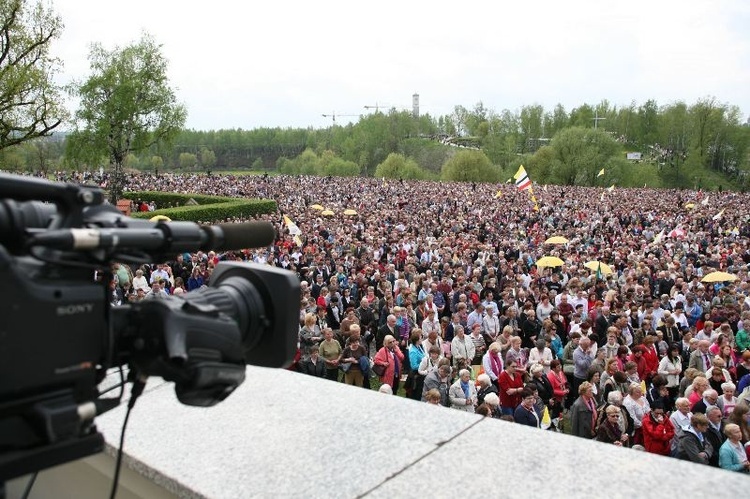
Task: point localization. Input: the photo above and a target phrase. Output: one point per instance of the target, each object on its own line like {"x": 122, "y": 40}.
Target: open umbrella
{"x": 719, "y": 277}
{"x": 350, "y": 212}
{"x": 549, "y": 261}
{"x": 317, "y": 207}
{"x": 556, "y": 240}
{"x": 601, "y": 266}
{"x": 690, "y": 206}
{"x": 327, "y": 213}
{"x": 160, "y": 218}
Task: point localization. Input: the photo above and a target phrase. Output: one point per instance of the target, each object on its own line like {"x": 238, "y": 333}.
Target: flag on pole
{"x": 509, "y": 181}
{"x": 293, "y": 229}
{"x": 718, "y": 215}
{"x": 523, "y": 181}
{"x": 601, "y": 172}
{"x": 610, "y": 189}
{"x": 545, "y": 187}
{"x": 385, "y": 184}
{"x": 498, "y": 193}
{"x": 599, "y": 274}
{"x": 659, "y": 237}
{"x": 705, "y": 201}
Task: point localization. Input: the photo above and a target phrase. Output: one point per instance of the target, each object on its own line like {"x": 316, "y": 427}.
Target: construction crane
{"x": 333, "y": 116}
{"x": 377, "y": 107}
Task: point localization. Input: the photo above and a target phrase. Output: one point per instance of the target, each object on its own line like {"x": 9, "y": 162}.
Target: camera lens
{"x": 240, "y": 299}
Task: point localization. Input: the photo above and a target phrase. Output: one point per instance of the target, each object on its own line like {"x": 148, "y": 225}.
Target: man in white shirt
{"x": 491, "y": 324}
{"x": 580, "y": 299}
{"x": 475, "y": 317}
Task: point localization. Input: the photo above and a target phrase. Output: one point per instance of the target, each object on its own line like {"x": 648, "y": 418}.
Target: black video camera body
{"x": 59, "y": 334}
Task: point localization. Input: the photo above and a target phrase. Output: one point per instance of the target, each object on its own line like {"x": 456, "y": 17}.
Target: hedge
{"x": 213, "y": 208}
{"x": 175, "y": 198}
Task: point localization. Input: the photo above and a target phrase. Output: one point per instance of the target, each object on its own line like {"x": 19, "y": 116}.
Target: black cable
{"x": 120, "y": 385}
{"x": 138, "y": 386}
{"x": 29, "y": 485}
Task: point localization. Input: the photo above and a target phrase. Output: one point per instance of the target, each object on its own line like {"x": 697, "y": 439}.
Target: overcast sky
{"x": 247, "y": 64}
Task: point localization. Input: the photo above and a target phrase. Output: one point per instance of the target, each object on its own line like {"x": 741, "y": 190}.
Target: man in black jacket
{"x": 715, "y": 433}
{"x": 388, "y": 328}
{"x": 313, "y": 365}
{"x": 366, "y": 321}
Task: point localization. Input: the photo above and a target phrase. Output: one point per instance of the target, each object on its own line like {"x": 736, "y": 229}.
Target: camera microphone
{"x": 173, "y": 237}
{"x": 234, "y": 236}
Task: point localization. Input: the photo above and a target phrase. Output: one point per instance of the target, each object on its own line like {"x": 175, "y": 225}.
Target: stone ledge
{"x": 290, "y": 435}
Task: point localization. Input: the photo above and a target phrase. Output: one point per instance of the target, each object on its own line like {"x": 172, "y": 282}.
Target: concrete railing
{"x": 283, "y": 434}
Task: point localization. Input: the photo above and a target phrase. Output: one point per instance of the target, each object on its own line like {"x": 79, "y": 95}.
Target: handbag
{"x": 379, "y": 369}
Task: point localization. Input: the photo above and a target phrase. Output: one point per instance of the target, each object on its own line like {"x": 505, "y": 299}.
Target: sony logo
{"x": 74, "y": 309}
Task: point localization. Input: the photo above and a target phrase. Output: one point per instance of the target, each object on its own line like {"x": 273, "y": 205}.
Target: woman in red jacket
{"x": 658, "y": 431}
{"x": 559, "y": 382}
{"x": 511, "y": 386}
{"x": 391, "y": 357}
{"x": 651, "y": 356}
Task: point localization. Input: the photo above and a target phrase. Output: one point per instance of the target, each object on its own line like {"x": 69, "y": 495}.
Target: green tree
{"x": 307, "y": 163}
{"x": 397, "y": 166}
{"x": 188, "y": 160}
{"x": 30, "y": 102}
{"x": 126, "y": 106}
{"x": 207, "y": 158}
{"x": 12, "y": 160}
{"x": 648, "y": 123}
{"x": 542, "y": 164}
{"x": 579, "y": 154}
{"x": 132, "y": 161}
{"x": 156, "y": 163}
{"x": 470, "y": 165}
{"x": 338, "y": 167}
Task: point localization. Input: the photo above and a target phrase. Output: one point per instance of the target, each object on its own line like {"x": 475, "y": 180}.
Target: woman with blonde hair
{"x": 308, "y": 335}
{"x": 492, "y": 362}
{"x": 695, "y": 392}
{"x": 638, "y": 407}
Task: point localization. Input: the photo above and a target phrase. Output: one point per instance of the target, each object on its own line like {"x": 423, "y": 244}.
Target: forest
{"x": 698, "y": 145}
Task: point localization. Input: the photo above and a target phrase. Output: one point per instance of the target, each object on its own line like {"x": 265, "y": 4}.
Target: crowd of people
{"x": 432, "y": 290}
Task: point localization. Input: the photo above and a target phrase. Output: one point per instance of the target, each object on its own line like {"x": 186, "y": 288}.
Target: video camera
{"x": 59, "y": 334}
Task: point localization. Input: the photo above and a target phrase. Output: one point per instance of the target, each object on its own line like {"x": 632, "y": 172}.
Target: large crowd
{"x": 432, "y": 290}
